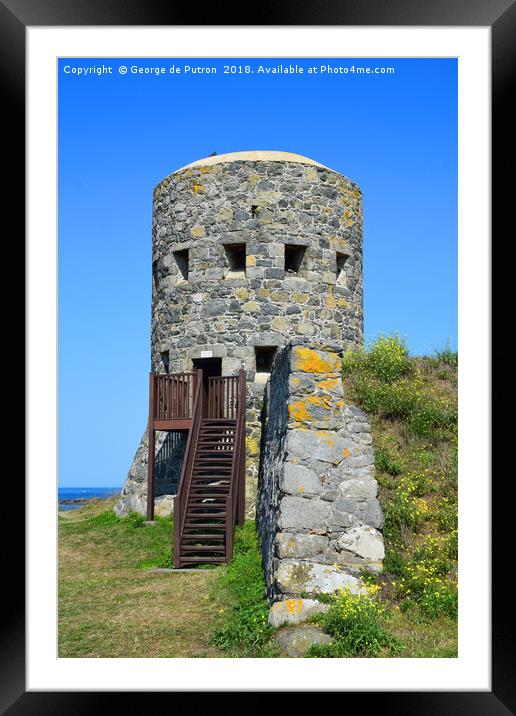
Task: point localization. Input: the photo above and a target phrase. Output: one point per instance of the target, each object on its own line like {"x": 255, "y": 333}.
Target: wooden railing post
{"x": 242, "y": 398}
{"x": 150, "y": 457}
{"x": 181, "y": 498}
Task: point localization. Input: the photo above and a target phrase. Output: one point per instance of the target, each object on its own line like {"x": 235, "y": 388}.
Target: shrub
{"x": 388, "y": 358}
{"x": 386, "y": 462}
{"x": 353, "y": 622}
{"x": 393, "y": 562}
{"x": 447, "y": 355}
{"x": 429, "y": 417}
{"x": 447, "y": 518}
{"x": 423, "y": 585}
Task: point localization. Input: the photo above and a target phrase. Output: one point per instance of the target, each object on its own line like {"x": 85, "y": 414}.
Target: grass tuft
{"x": 243, "y": 629}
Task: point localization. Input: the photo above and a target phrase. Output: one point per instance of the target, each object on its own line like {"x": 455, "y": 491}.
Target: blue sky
{"x": 119, "y": 135}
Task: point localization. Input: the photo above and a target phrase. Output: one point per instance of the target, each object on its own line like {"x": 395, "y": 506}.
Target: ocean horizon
{"x": 88, "y": 493}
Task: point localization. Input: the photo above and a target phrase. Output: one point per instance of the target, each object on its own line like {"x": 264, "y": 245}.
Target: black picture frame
{"x": 500, "y": 15}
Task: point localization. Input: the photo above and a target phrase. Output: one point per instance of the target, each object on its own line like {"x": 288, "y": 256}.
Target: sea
{"x": 71, "y": 493}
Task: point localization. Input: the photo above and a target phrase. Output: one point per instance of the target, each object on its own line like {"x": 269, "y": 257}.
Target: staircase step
{"x": 204, "y": 548}
{"x": 190, "y": 527}
{"x": 204, "y": 536}
{"x": 202, "y": 560}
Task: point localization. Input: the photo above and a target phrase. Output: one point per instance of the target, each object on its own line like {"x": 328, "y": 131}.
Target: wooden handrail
{"x": 173, "y": 395}
{"x": 183, "y": 488}
{"x": 234, "y": 501}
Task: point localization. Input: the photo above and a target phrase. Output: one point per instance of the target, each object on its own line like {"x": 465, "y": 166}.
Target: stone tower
{"x": 251, "y": 250}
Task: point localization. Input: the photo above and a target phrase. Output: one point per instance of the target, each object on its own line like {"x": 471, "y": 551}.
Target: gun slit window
{"x": 235, "y": 256}
{"x": 294, "y": 256}
{"x": 342, "y": 268}
{"x": 182, "y": 261}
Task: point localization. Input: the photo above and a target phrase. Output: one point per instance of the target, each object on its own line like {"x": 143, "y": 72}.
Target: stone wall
{"x": 318, "y": 514}
{"x": 298, "y": 227}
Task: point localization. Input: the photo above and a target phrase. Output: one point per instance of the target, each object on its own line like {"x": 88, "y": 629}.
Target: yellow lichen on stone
{"x": 250, "y": 260}
{"x": 309, "y": 361}
{"x": 197, "y": 187}
{"x": 300, "y": 297}
{"x": 206, "y": 170}
{"x": 321, "y": 401}
{"x": 342, "y": 303}
{"x": 264, "y": 292}
{"x": 330, "y": 298}
{"x": 242, "y": 293}
{"x": 280, "y": 324}
{"x": 252, "y": 446}
{"x": 328, "y": 384}
{"x": 251, "y": 307}
{"x": 279, "y": 296}
{"x": 225, "y": 214}
{"x": 311, "y": 173}
{"x": 294, "y": 605}
{"x": 298, "y": 411}
{"x": 346, "y": 453}
{"x": 198, "y": 232}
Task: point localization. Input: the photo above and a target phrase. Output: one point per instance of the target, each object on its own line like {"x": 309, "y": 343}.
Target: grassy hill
{"x": 111, "y": 605}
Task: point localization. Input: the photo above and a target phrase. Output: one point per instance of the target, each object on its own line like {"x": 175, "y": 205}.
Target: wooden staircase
{"x": 204, "y": 531}
{"x": 211, "y": 492}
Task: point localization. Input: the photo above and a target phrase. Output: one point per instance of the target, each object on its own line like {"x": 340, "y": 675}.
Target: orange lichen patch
{"x": 330, "y": 298}
{"x": 323, "y": 401}
{"x": 295, "y": 381}
{"x": 301, "y": 488}
{"x": 298, "y": 411}
{"x": 250, "y": 260}
{"x": 346, "y": 453}
{"x": 294, "y": 605}
{"x": 328, "y": 384}
{"x": 308, "y": 360}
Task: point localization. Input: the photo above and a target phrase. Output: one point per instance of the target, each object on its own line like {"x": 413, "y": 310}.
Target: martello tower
{"x": 251, "y": 251}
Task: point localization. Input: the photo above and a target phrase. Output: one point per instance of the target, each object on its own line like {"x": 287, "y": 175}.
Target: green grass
{"x": 242, "y": 629}
{"x": 413, "y": 409}
{"x": 109, "y": 606}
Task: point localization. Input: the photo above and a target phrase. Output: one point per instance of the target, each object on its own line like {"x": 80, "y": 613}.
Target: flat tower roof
{"x": 252, "y": 156}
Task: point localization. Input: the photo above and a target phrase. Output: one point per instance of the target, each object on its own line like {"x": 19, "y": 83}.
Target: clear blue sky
{"x": 119, "y": 135}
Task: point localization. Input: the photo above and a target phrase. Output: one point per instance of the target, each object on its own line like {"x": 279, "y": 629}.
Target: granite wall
{"x": 318, "y": 514}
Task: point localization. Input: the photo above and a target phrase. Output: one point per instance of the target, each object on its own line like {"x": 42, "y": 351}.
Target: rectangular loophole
{"x": 165, "y": 360}
{"x": 264, "y": 358}
{"x": 235, "y": 256}
{"x": 341, "y": 267}
{"x": 182, "y": 261}
{"x": 294, "y": 256}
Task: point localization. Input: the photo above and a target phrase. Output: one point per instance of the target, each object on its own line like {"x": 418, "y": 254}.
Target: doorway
{"x": 211, "y": 368}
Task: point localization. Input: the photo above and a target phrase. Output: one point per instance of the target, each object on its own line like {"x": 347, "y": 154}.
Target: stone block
{"x": 301, "y": 514}
{"x": 300, "y": 480}
{"x": 291, "y": 545}
{"x": 364, "y": 541}
{"x": 321, "y": 445}
{"x": 295, "y": 577}
{"x": 294, "y": 611}
{"x": 295, "y": 641}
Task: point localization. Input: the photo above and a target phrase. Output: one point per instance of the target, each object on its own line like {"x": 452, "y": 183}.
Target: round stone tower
{"x": 252, "y": 250}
